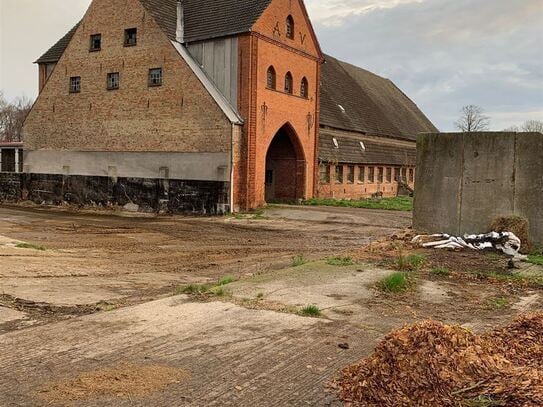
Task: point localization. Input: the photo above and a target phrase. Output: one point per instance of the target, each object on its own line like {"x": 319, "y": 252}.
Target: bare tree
{"x": 472, "y": 119}
{"x": 533, "y": 126}
{"x": 12, "y": 117}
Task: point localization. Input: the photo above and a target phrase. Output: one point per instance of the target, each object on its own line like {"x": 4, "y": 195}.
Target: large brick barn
{"x": 207, "y": 106}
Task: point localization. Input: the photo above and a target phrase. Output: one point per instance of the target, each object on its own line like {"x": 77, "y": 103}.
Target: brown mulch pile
{"x": 122, "y": 381}
{"x": 432, "y": 364}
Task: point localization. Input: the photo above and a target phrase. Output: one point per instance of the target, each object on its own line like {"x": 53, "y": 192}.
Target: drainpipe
{"x": 232, "y": 168}
{"x": 180, "y": 30}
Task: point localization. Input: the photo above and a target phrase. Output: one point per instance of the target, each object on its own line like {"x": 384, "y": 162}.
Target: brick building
{"x": 199, "y": 106}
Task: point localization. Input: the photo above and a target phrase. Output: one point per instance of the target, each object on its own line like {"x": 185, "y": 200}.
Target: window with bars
{"x": 304, "y": 88}
{"x": 380, "y": 174}
{"x": 404, "y": 174}
{"x": 95, "y": 42}
{"x": 130, "y": 37}
{"x": 155, "y": 77}
{"x": 411, "y": 175}
{"x": 290, "y": 27}
{"x": 371, "y": 174}
{"x": 361, "y": 174}
{"x": 389, "y": 174}
{"x": 350, "y": 174}
{"x": 75, "y": 84}
{"x": 324, "y": 170}
{"x": 396, "y": 174}
{"x": 113, "y": 81}
{"x": 288, "y": 83}
{"x": 339, "y": 174}
{"x": 271, "y": 78}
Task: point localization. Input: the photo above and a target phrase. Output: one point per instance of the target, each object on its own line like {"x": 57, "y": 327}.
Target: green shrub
{"x": 339, "y": 261}
{"x": 394, "y": 283}
{"x": 536, "y": 258}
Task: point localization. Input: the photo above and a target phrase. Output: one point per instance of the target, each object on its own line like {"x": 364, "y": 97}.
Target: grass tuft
{"x": 399, "y": 203}
{"x": 219, "y": 291}
{"x": 498, "y": 302}
{"x": 193, "y": 289}
{"x": 226, "y": 280}
{"x": 536, "y": 258}
{"x": 310, "y": 311}
{"x": 29, "y": 246}
{"x": 339, "y": 261}
{"x": 411, "y": 262}
{"x": 394, "y": 283}
{"x": 298, "y": 260}
{"x": 440, "y": 272}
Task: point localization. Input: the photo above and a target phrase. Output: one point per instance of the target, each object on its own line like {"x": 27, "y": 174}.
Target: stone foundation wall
{"x": 142, "y": 194}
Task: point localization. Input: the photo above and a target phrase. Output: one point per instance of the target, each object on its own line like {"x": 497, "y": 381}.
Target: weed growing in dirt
{"x": 394, "y": 283}
{"x": 536, "y": 258}
{"x": 530, "y": 280}
{"x": 226, "y": 280}
{"x": 310, "y": 311}
{"x": 411, "y": 262}
{"x": 260, "y": 296}
{"x": 298, "y": 260}
{"x": 440, "y": 272}
{"x": 193, "y": 289}
{"x": 219, "y": 291}
{"x": 29, "y": 246}
{"x": 399, "y": 203}
{"x": 339, "y": 261}
{"x": 482, "y": 401}
{"x": 498, "y": 302}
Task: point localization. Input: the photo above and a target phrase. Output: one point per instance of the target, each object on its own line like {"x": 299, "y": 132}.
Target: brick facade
{"x": 267, "y": 111}
{"x": 179, "y": 116}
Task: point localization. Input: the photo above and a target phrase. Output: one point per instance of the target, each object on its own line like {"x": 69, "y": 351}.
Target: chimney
{"x": 180, "y": 31}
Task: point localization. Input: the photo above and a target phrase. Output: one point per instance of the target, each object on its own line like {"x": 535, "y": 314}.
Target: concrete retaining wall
{"x": 465, "y": 180}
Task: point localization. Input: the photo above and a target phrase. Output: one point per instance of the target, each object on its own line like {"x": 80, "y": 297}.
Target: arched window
{"x": 288, "y": 83}
{"x": 271, "y": 81}
{"x": 290, "y": 27}
{"x": 304, "y": 88}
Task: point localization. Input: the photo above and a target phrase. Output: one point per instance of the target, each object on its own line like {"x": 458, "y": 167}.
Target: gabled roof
{"x": 350, "y": 151}
{"x": 54, "y": 53}
{"x": 204, "y": 19}
{"x": 357, "y": 100}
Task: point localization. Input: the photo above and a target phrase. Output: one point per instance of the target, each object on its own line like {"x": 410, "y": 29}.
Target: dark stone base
{"x": 10, "y": 187}
{"x": 148, "y": 195}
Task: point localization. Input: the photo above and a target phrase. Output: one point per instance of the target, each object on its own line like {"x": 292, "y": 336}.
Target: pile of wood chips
{"x": 432, "y": 364}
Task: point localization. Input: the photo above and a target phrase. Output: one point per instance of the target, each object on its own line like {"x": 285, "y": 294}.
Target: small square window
{"x": 155, "y": 77}
{"x": 95, "y": 42}
{"x": 75, "y": 84}
{"x": 113, "y": 81}
{"x": 339, "y": 174}
{"x": 130, "y": 37}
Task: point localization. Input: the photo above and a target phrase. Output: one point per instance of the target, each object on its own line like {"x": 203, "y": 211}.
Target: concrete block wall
{"x": 465, "y": 180}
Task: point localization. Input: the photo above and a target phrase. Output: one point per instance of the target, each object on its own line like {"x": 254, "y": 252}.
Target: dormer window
{"x": 362, "y": 146}
{"x": 130, "y": 37}
{"x": 271, "y": 78}
{"x": 288, "y": 83}
{"x": 290, "y": 27}
{"x": 341, "y": 108}
{"x": 95, "y": 42}
{"x": 336, "y": 144}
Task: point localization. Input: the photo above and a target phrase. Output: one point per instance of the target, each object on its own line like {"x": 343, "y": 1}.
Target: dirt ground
{"x": 105, "y": 293}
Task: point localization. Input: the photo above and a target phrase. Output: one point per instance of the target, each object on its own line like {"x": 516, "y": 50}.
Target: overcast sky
{"x": 442, "y": 53}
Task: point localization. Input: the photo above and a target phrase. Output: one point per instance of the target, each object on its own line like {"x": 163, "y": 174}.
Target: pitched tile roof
{"x": 55, "y": 52}
{"x": 349, "y": 150}
{"x": 357, "y": 100}
{"x": 204, "y": 19}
